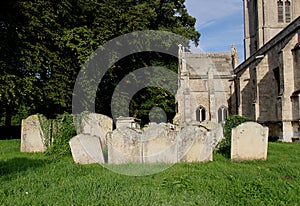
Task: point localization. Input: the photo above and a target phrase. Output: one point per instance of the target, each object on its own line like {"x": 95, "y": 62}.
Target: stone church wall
{"x": 267, "y": 84}
{"x": 204, "y": 80}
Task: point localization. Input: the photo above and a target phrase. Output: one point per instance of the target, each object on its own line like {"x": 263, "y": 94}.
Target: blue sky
{"x": 220, "y": 23}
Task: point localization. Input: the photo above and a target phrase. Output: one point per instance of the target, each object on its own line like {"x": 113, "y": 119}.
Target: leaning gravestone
{"x": 249, "y": 141}
{"x": 159, "y": 143}
{"x": 32, "y": 137}
{"x": 86, "y": 149}
{"x": 215, "y": 129}
{"x": 97, "y": 125}
{"x": 194, "y": 145}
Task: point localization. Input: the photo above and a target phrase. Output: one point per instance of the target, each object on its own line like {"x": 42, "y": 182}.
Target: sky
{"x": 220, "y": 23}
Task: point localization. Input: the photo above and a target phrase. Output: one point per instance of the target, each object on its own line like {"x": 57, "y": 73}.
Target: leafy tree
{"x": 45, "y": 43}
{"x": 16, "y": 88}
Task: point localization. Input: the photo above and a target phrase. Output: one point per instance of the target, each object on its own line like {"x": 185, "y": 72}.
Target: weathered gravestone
{"x": 96, "y": 125}
{"x": 215, "y": 129}
{"x": 159, "y": 143}
{"x": 86, "y": 149}
{"x": 155, "y": 144}
{"x": 125, "y": 146}
{"x": 32, "y": 137}
{"x": 195, "y": 145}
{"x": 249, "y": 141}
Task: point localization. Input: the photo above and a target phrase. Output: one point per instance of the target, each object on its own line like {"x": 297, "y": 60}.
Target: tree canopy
{"x": 44, "y": 43}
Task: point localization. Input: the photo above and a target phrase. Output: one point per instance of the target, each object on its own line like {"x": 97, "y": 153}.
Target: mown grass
{"x": 36, "y": 179}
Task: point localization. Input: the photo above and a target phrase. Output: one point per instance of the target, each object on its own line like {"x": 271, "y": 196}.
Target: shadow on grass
{"x": 19, "y": 164}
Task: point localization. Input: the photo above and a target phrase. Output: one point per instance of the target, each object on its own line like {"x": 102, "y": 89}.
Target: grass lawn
{"x": 36, "y": 179}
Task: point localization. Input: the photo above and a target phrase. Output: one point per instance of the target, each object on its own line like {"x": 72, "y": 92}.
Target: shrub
{"x": 62, "y": 131}
{"x": 230, "y": 123}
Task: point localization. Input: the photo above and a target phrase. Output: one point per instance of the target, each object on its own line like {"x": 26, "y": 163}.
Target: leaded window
{"x": 201, "y": 114}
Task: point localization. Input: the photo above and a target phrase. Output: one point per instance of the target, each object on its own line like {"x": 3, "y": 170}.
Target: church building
{"x": 205, "y": 86}
{"x": 267, "y": 83}
{"x": 265, "y": 87}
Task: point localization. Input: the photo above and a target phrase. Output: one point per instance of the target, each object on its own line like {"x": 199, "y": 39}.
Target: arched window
{"x": 284, "y": 11}
{"x": 280, "y": 11}
{"x": 287, "y": 11}
{"x": 222, "y": 114}
{"x": 201, "y": 114}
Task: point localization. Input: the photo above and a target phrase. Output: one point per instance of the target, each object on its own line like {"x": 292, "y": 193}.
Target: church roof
{"x": 200, "y": 63}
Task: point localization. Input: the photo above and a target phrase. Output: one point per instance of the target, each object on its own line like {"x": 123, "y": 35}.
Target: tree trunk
{"x": 8, "y": 116}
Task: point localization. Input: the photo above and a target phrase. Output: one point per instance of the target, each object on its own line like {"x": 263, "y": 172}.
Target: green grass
{"x": 36, "y": 179}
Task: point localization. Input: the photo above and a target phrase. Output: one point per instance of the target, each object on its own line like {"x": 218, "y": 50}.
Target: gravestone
{"x": 159, "y": 143}
{"x": 32, "y": 137}
{"x": 249, "y": 141}
{"x": 125, "y": 146}
{"x": 86, "y": 149}
{"x": 194, "y": 145}
{"x": 215, "y": 129}
{"x": 97, "y": 125}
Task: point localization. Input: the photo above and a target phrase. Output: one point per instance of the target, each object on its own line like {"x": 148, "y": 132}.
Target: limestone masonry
{"x": 267, "y": 83}
{"x": 265, "y": 87}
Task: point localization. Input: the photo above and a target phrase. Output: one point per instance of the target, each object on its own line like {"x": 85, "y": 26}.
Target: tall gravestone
{"x": 96, "y": 125}
{"x": 249, "y": 141}
{"x": 32, "y": 137}
{"x": 194, "y": 145}
{"x": 125, "y": 146}
{"x": 159, "y": 144}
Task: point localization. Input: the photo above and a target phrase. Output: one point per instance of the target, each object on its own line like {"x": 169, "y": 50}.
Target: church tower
{"x": 263, "y": 19}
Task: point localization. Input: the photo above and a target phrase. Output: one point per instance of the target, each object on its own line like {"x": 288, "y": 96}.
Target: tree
{"x": 52, "y": 39}
{"x": 16, "y": 88}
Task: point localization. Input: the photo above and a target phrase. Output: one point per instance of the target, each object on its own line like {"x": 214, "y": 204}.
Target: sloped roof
{"x": 200, "y": 63}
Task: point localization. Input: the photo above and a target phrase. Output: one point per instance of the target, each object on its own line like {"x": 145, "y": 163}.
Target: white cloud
{"x": 207, "y": 11}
